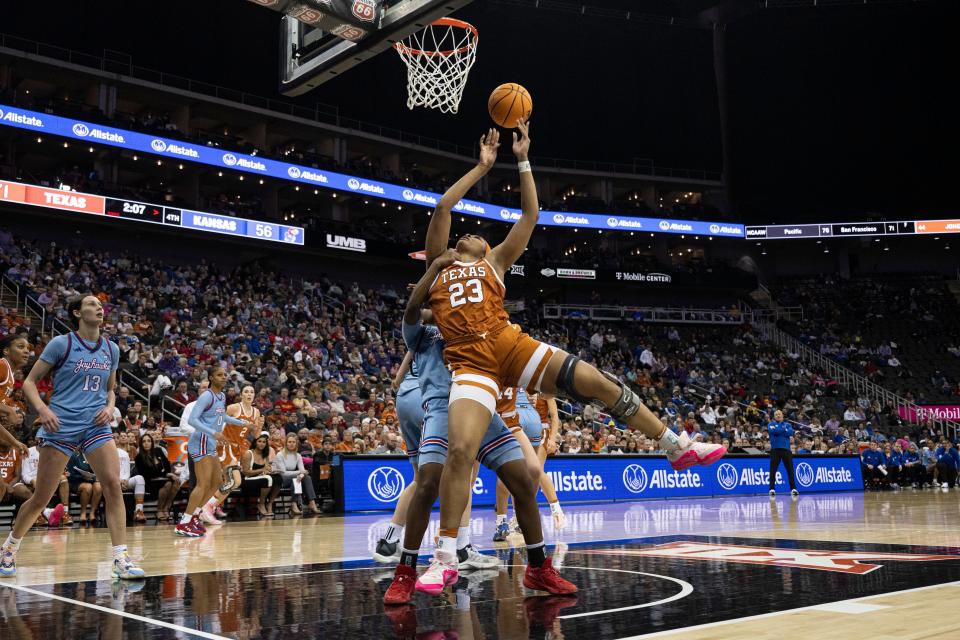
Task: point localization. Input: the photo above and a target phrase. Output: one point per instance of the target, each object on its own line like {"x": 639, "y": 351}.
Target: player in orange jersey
{"x": 231, "y": 453}
{"x": 486, "y": 353}
{"x": 15, "y": 351}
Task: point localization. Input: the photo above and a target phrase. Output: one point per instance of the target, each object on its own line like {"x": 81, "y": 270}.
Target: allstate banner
{"x": 375, "y": 482}
{"x": 38, "y": 122}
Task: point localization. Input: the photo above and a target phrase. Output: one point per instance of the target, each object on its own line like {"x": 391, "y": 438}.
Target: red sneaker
{"x": 545, "y": 609}
{"x": 547, "y": 579}
{"x": 401, "y": 589}
{"x": 198, "y": 525}
{"x": 404, "y": 621}
{"x": 56, "y": 516}
{"x": 187, "y": 530}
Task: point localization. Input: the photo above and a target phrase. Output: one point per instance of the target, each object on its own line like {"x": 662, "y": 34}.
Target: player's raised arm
{"x": 421, "y": 291}
{"x": 438, "y": 233}
{"x": 513, "y": 246}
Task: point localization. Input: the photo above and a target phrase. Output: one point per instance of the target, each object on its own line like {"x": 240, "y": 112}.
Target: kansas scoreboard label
{"x": 376, "y": 483}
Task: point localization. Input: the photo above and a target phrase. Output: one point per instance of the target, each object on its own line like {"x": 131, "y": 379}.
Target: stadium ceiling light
{"x": 220, "y": 174}
{"x": 296, "y": 188}
{"x": 66, "y": 144}
{"x": 135, "y": 157}
{"x": 241, "y": 178}
{"x": 90, "y": 149}
{"x": 180, "y": 166}
{"x": 39, "y": 139}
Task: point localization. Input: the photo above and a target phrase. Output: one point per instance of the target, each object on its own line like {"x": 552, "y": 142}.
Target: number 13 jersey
{"x": 81, "y": 374}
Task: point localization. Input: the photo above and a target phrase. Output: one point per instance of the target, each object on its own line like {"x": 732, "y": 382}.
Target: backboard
{"x": 310, "y": 56}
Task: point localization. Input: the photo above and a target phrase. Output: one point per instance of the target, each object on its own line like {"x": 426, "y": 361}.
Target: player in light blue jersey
{"x": 499, "y": 451}
{"x": 410, "y": 417}
{"x": 84, "y": 366}
{"x": 207, "y": 419}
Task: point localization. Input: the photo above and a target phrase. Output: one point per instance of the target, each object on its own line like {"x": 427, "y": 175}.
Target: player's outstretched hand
{"x": 219, "y": 437}
{"x": 521, "y": 143}
{"x": 49, "y": 420}
{"x": 489, "y": 144}
{"x": 446, "y": 259}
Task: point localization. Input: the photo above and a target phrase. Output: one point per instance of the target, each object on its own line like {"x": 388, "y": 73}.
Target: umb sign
{"x": 346, "y": 243}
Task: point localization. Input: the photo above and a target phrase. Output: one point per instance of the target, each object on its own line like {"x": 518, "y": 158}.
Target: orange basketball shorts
{"x": 501, "y": 359}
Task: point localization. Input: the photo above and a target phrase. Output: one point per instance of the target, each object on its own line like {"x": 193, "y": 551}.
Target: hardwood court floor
{"x": 827, "y": 565}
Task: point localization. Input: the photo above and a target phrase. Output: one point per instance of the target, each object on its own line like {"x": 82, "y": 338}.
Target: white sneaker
{"x": 126, "y": 569}
{"x": 772, "y": 493}
{"x": 207, "y": 517}
{"x": 476, "y": 560}
{"x": 439, "y": 574}
{"x": 693, "y": 453}
{"x": 515, "y": 526}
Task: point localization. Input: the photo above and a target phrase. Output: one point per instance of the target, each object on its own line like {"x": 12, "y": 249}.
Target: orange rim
{"x": 444, "y": 22}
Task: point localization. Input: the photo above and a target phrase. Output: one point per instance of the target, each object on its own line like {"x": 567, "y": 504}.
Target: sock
{"x": 212, "y": 503}
{"x": 447, "y": 543}
{"x": 47, "y": 512}
{"x": 196, "y": 512}
{"x": 463, "y": 537}
{"x": 555, "y": 507}
{"x": 12, "y": 542}
{"x": 393, "y": 533}
{"x": 119, "y": 550}
{"x": 186, "y": 518}
{"x": 138, "y": 507}
{"x": 501, "y": 519}
{"x": 536, "y": 555}
{"x": 669, "y": 441}
{"x": 408, "y": 557}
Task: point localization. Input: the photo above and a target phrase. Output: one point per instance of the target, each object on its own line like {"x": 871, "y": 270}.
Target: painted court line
{"x": 685, "y": 589}
{"x": 131, "y": 616}
{"x": 710, "y": 625}
{"x": 854, "y": 608}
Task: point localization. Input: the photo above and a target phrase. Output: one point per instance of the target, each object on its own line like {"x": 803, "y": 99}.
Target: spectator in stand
{"x": 894, "y": 464}
{"x": 84, "y": 485}
{"x": 152, "y": 463}
{"x": 130, "y": 482}
{"x": 872, "y": 462}
{"x": 288, "y": 464}
{"x": 928, "y": 461}
{"x": 948, "y": 464}
{"x": 390, "y": 446}
{"x": 182, "y": 395}
{"x": 256, "y": 469}
{"x": 912, "y": 469}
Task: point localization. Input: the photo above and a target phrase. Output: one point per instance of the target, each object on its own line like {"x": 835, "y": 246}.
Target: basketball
{"x": 508, "y": 104}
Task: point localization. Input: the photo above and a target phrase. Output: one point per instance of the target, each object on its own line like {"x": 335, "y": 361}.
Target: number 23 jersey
{"x": 81, "y": 373}
{"x": 467, "y": 301}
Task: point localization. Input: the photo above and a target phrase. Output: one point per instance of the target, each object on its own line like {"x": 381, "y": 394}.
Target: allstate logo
{"x": 505, "y": 214}
{"x": 229, "y": 159}
{"x": 81, "y": 129}
{"x": 714, "y": 228}
{"x": 635, "y": 478}
{"x": 612, "y": 222}
{"x": 385, "y": 484}
{"x": 558, "y": 218}
{"x": 664, "y": 225}
{"x": 805, "y": 474}
{"x": 1, "y": 114}
{"x": 407, "y": 194}
{"x": 353, "y": 183}
{"x": 293, "y": 172}
{"x": 158, "y": 145}
{"x": 459, "y": 205}
{"x": 727, "y": 476}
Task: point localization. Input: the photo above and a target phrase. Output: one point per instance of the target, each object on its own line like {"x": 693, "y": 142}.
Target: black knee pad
{"x": 228, "y": 483}
{"x": 628, "y": 404}
{"x": 565, "y": 384}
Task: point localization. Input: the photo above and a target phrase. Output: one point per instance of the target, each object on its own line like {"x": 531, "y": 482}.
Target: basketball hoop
{"x": 438, "y": 62}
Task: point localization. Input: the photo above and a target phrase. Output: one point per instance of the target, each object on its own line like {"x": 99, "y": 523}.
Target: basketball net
{"x": 438, "y": 62}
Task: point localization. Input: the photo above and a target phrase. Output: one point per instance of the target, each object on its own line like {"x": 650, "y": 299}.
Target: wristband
{"x": 524, "y": 166}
